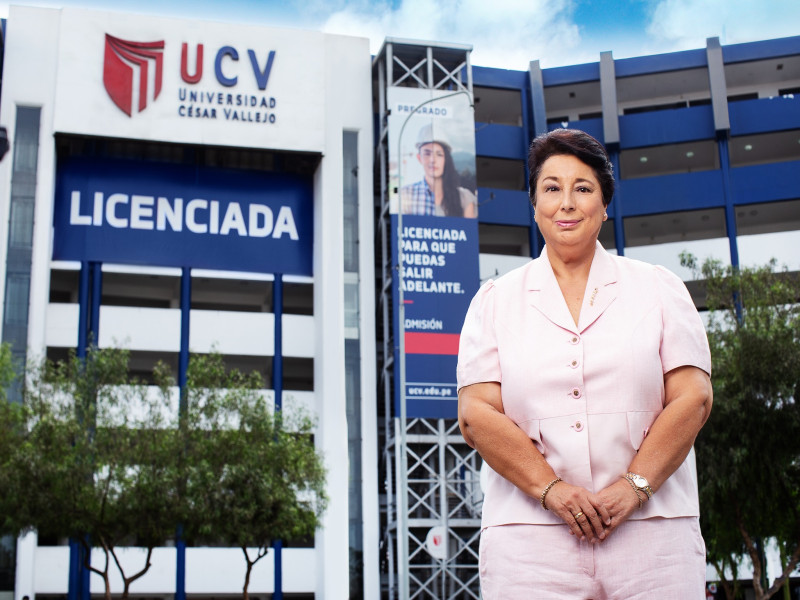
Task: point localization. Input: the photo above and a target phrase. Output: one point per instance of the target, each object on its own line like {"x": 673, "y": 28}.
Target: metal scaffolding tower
{"x": 432, "y": 482}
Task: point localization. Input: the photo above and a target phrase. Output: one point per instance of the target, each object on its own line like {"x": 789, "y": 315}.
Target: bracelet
{"x": 635, "y": 491}
{"x": 547, "y": 489}
{"x": 645, "y": 488}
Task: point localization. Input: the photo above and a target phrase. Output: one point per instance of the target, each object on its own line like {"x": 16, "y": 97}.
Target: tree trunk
{"x": 754, "y": 552}
{"x": 127, "y": 581}
{"x": 787, "y": 571}
{"x": 730, "y": 589}
{"x": 250, "y": 565}
{"x": 245, "y": 593}
{"x": 104, "y": 572}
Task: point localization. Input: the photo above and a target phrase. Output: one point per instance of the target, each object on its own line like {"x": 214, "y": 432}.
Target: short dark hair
{"x": 573, "y": 142}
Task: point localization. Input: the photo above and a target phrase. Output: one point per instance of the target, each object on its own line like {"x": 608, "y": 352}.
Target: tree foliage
{"x": 748, "y": 454}
{"x": 93, "y": 460}
{"x": 95, "y": 456}
{"x": 252, "y": 476}
{"x": 12, "y": 426}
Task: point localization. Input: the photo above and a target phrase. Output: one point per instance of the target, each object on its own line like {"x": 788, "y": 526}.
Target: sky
{"x": 503, "y": 33}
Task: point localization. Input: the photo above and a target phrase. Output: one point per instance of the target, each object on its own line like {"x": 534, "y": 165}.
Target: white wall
{"x": 158, "y": 329}
{"x": 322, "y": 86}
{"x": 297, "y": 82}
{"x": 208, "y": 571}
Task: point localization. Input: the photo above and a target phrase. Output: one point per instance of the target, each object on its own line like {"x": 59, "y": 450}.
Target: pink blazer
{"x": 586, "y": 395}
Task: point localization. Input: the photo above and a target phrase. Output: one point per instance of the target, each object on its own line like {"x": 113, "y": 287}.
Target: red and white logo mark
{"x": 131, "y": 70}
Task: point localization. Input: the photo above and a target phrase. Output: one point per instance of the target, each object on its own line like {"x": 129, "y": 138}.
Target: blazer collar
{"x": 545, "y": 295}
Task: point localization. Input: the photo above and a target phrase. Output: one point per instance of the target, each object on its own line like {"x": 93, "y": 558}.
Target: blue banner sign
{"x": 147, "y": 213}
{"x": 439, "y": 275}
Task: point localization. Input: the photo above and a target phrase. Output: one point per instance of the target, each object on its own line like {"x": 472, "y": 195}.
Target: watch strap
{"x": 632, "y": 477}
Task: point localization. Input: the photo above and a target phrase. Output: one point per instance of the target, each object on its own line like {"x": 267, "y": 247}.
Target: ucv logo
{"x": 131, "y": 70}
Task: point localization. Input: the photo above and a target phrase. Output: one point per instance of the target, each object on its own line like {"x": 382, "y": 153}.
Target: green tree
{"x": 95, "y": 456}
{"x": 95, "y": 460}
{"x": 8, "y": 371}
{"x": 251, "y": 476}
{"x": 12, "y": 425}
{"x": 748, "y": 455}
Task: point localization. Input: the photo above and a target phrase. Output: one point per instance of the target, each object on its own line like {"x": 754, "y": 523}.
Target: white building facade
{"x": 267, "y": 112}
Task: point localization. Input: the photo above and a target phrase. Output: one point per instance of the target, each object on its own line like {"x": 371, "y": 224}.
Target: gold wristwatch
{"x": 639, "y": 483}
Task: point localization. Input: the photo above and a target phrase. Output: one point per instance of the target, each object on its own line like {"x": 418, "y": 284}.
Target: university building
{"x": 177, "y": 186}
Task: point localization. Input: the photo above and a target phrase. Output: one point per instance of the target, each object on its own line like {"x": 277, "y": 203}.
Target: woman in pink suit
{"x": 583, "y": 381}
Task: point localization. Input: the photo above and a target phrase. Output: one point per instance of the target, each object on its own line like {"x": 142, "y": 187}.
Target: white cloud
{"x": 510, "y": 33}
{"x": 685, "y": 24}
{"x": 505, "y": 34}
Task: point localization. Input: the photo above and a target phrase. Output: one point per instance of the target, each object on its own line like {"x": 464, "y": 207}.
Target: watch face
{"x": 639, "y": 481}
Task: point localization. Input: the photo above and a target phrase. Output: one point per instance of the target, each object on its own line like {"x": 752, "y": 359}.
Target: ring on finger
{"x": 578, "y": 514}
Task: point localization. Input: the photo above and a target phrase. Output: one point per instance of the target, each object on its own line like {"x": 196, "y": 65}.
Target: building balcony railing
{"x": 671, "y": 126}
{"x": 765, "y": 183}
{"x": 669, "y": 193}
{"x": 503, "y": 207}
{"x": 501, "y": 141}
{"x": 765, "y": 114}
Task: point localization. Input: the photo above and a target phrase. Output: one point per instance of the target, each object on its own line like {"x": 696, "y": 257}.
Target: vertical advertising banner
{"x": 434, "y": 205}
{"x": 439, "y": 277}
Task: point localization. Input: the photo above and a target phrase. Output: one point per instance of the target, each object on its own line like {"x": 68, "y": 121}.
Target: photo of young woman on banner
{"x": 432, "y": 153}
{"x": 439, "y": 192}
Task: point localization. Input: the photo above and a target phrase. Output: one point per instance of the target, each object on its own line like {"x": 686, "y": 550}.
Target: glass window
{"x": 17, "y": 290}
{"x": 355, "y": 479}
{"x": 26, "y": 140}
{"x": 351, "y": 311}
{"x": 8, "y": 546}
{"x": 352, "y": 359}
{"x": 20, "y": 236}
{"x": 350, "y": 200}
{"x": 21, "y": 228}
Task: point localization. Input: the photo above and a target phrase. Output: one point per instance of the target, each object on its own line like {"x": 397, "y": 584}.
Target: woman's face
{"x": 569, "y": 202}
{"x": 431, "y": 157}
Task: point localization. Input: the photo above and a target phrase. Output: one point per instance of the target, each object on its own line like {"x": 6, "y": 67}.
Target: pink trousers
{"x": 652, "y": 558}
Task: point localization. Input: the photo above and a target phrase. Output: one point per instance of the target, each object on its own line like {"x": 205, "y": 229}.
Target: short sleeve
{"x": 478, "y": 360}
{"x": 683, "y": 341}
{"x": 468, "y": 198}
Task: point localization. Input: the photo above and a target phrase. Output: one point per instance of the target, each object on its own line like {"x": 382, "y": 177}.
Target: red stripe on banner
{"x": 431, "y": 343}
